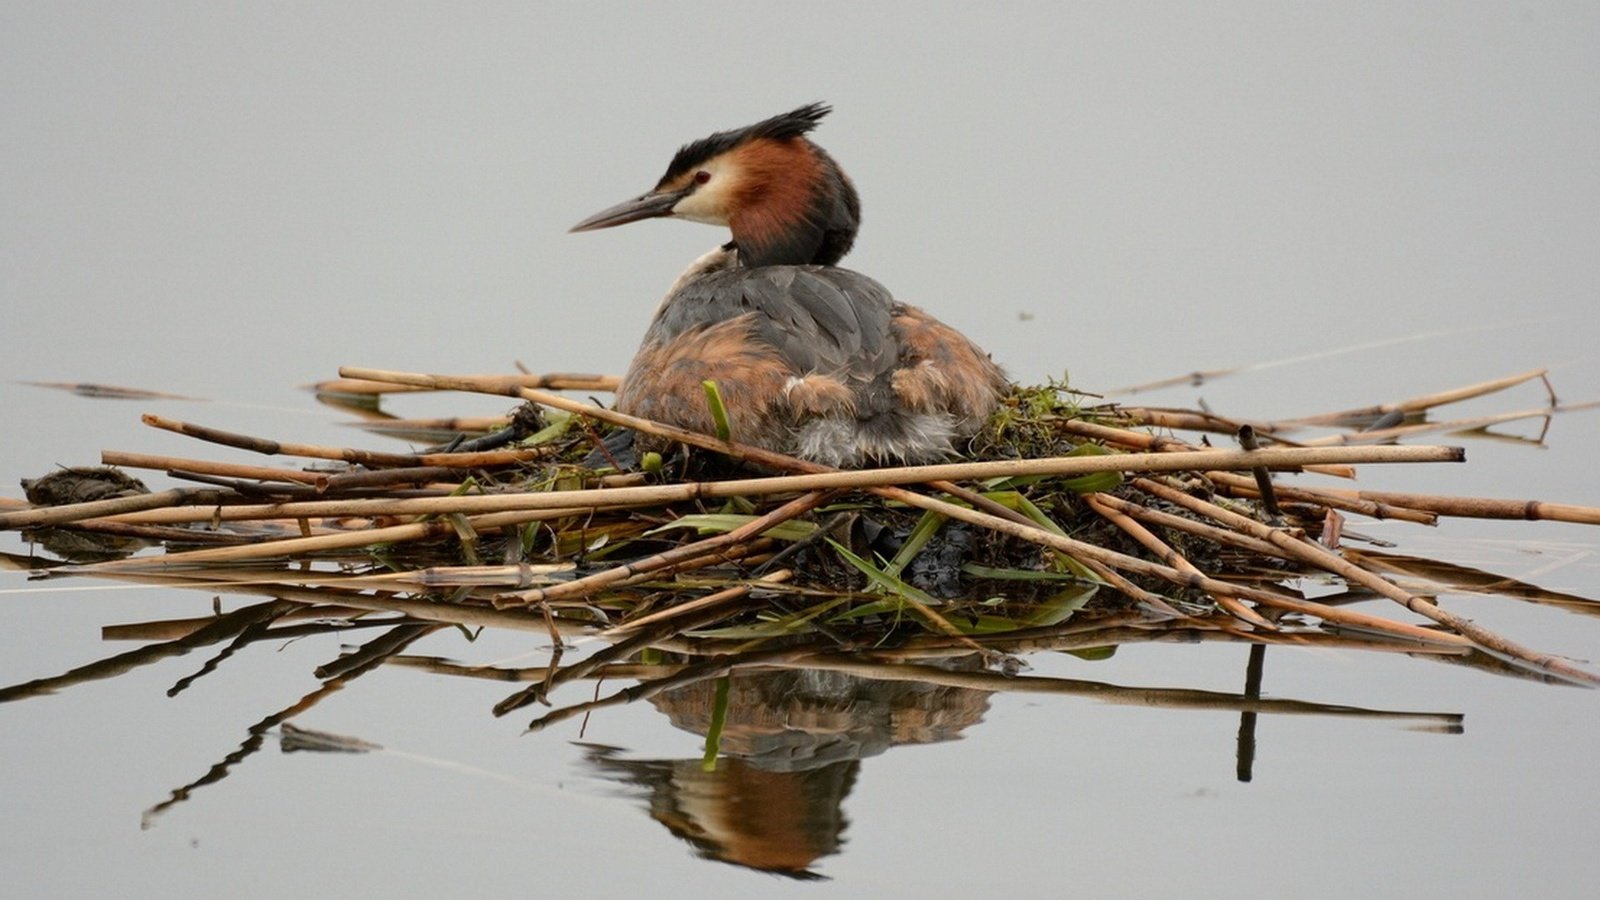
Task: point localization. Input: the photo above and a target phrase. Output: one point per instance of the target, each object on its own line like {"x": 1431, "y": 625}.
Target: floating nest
{"x": 1077, "y": 525}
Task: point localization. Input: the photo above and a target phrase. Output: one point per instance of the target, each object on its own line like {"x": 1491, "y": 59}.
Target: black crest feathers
{"x": 792, "y": 124}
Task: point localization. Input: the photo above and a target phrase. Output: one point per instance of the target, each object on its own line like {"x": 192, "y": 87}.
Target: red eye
{"x": 702, "y": 176}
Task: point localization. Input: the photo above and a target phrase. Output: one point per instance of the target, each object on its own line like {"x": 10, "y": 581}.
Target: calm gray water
{"x": 228, "y": 202}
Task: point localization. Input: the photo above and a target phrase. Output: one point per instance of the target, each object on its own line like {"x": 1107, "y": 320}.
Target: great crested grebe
{"x": 809, "y": 359}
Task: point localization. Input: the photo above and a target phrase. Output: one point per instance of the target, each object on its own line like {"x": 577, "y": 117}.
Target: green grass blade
{"x": 926, "y": 528}
{"x": 719, "y": 717}
{"x": 719, "y": 412}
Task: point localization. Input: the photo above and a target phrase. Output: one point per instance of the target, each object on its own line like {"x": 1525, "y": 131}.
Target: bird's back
{"x": 813, "y": 360}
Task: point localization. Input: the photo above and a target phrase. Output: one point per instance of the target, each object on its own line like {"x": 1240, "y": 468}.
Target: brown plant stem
{"x": 1349, "y": 501}
{"x": 348, "y": 454}
{"x": 39, "y": 517}
{"x": 1102, "y": 505}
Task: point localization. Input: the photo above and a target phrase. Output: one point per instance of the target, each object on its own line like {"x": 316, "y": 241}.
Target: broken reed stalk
{"x": 1478, "y": 507}
{"x": 1315, "y": 554}
{"x": 692, "y": 607}
{"x": 1417, "y": 404}
{"x": 753, "y": 552}
{"x": 402, "y": 475}
{"x": 1269, "y": 500}
{"x": 322, "y": 543}
{"x": 471, "y": 424}
{"x": 41, "y": 517}
{"x": 555, "y": 381}
{"x": 1379, "y": 435}
{"x": 1190, "y": 526}
{"x": 365, "y": 457}
{"x": 1116, "y": 516}
{"x": 208, "y": 467}
{"x": 1189, "y": 420}
{"x": 1143, "y": 440}
{"x": 1151, "y": 601}
{"x": 1338, "y": 499}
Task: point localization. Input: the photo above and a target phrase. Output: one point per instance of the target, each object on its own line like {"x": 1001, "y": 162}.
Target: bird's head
{"x": 784, "y": 198}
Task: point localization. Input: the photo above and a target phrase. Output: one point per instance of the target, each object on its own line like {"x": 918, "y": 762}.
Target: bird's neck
{"x": 805, "y": 213}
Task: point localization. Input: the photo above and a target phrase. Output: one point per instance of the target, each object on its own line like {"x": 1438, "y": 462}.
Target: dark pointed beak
{"x": 652, "y": 205}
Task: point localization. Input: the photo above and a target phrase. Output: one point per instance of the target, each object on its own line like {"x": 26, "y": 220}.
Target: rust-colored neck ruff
{"x": 790, "y": 207}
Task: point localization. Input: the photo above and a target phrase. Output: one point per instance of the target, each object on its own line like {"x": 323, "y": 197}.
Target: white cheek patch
{"x": 709, "y": 202}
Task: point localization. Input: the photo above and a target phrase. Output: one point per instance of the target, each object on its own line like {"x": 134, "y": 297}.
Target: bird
{"x": 809, "y": 359}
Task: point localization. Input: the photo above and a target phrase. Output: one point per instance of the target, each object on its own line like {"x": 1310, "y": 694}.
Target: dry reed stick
{"x": 1479, "y": 507}
{"x": 208, "y": 467}
{"x": 1142, "y": 440}
{"x": 1130, "y": 590}
{"x": 1314, "y": 554}
{"x": 1111, "y": 513}
{"x": 1191, "y": 526}
{"x": 1122, "y": 437}
{"x": 452, "y": 423}
{"x": 515, "y": 576}
{"x": 402, "y": 475}
{"x": 695, "y": 606}
{"x": 161, "y": 533}
{"x": 365, "y": 457}
{"x": 749, "y": 554}
{"x": 1189, "y": 420}
{"x": 1338, "y": 499}
{"x": 1224, "y": 536}
{"x": 1380, "y": 435}
{"x": 343, "y": 540}
{"x": 823, "y": 480}
{"x": 39, "y": 517}
{"x": 556, "y": 381}
{"x": 1418, "y": 404}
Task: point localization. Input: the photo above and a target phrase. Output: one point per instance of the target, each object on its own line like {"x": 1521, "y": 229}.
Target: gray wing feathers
{"x": 822, "y": 319}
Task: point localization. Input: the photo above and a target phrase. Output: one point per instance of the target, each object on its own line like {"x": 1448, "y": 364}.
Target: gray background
{"x": 228, "y": 201}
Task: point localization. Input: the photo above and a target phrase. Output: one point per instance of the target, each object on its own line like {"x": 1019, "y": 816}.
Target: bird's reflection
{"x": 789, "y": 749}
